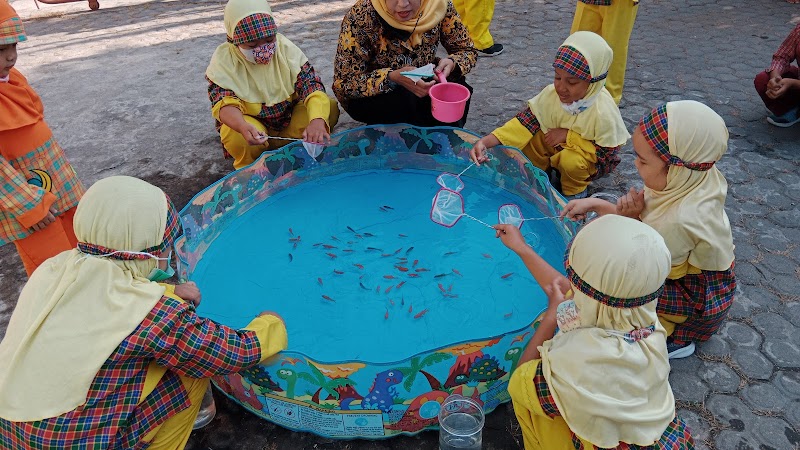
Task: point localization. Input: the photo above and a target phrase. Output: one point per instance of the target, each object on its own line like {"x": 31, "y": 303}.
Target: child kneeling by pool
{"x": 677, "y": 146}
{"x": 596, "y": 371}
{"x": 572, "y": 126}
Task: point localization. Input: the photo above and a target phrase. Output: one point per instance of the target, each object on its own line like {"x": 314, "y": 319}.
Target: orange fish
{"x": 457, "y": 273}
{"x": 328, "y": 246}
{"x": 416, "y": 261}
{"x": 402, "y": 235}
{"x": 506, "y": 275}
{"x": 388, "y": 289}
{"x": 328, "y": 298}
{"x": 290, "y": 231}
{"x": 378, "y": 289}
{"x": 450, "y": 288}
{"x": 389, "y": 277}
{"x": 332, "y": 255}
{"x": 422, "y": 270}
{"x": 294, "y": 246}
{"x": 401, "y": 268}
{"x": 400, "y": 284}
{"x": 413, "y": 275}
{"x": 391, "y": 302}
{"x": 486, "y": 255}
{"x": 348, "y": 250}
{"x": 359, "y": 266}
{"x": 338, "y": 272}
{"x": 410, "y": 307}
{"x": 386, "y": 316}
{"x": 421, "y": 313}
{"x": 507, "y": 316}
{"x": 441, "y": 288}
{"x": 319, "y": 280}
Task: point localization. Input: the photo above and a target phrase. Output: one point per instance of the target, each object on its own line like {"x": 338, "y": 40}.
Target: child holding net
{"x": 677, "y": 146}
{"x": 572, "y": 126}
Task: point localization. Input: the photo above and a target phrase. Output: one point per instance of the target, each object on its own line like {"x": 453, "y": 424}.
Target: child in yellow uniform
{"x": 677, "y": 146}
{"x": 595, "y": 374}
{"x": 261, "y": 85}
{"x": 477, "y": 16}
{"x": 612, "y": 19}
{"x": 39, "y": 188}
{"x": 573, "y": 125}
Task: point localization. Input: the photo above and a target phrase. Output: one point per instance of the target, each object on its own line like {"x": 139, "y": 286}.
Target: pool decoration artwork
{"x": 388, "y": 313}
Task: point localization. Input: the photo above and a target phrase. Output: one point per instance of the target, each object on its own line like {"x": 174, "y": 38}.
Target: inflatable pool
{"x": 388, "y": 312}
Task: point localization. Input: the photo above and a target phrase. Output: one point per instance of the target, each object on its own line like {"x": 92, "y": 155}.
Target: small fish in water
{"x": 386, "y": 316}
{"x": 506, "y": 275}
{"x": 362, "y": 286}
{"x": 402, "y": 235}
{"x": 416, "y": 261}
{"x": 389, "y": 277}
{"x": 441, "y": 288}
{"x": 387, "y": 207}
{"x": 401, "y": 259}
{"x": 402, "y": 301}
{"x": 358, "y": 236}
{"x": 397, "y": 251}
{"x": 451, "y": 295}
{"x": 486, "y": 255}
{"x": 409, "y": 250}
{"x": 508, "y": 315}
{"x": 335, "y": 238}
{"x": 294, "y": 239}
{"x": 400, "y": 284}
{"x": 421, "y": 313}
{"x": 328, "y": 299}
{"x": 291, "y": 258}
{"x": 401, "y": 268}
{"x": 441, "y": 275}
{"x": 410, "y": 307}
{"x": 378, "y": 289}
{"x": 319, "y": 280}
{"x": 351, "y": 229}
{"x": 457, "y": 273}
{"x": 317, "y": 244}
{"x": 450, "y": 288}
{"x": 413, "y": 275}
{"x": 338, "y": 272}
{"x": 450, "y": 253}
{"x": 294, "y": 246}
{"x": 359, "y": 266}
{"x": 391, "y": 302}
{"x": 422, "y": 269}
{"x": 386, "y": 255}
{"x": 369, "y": 235}
{"x": 291, "y": 233}
{"x": 388, "y": 289}
{"x": 331, "y": 255}
{"x": 383, "y": 209}
{"x": 348, "y": 250}
{"x": 328, "y": 246}
{"x": 373, "y": 249}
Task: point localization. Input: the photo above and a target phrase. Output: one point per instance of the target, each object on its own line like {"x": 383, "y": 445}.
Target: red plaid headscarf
{"x": 655, "y": 130}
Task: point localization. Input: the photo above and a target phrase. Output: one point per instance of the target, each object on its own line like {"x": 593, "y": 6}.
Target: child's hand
{"x": 478, "y": 153}
{"x": 577, "y": 209}
{"x": 556, "y": 137}
{"x": 317, "y": 132}
{"x": 48, "y": 219}
{"x": 632, "y": 204}
{"x": 781, "y": 86}
{"x": 558, "y": 292}
{"x": 253, "y": 135}
{"x": 511, "y": 237}
{"x": 189, "y": 292}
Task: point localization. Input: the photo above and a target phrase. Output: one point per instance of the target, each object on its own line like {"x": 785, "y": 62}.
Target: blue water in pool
{"x": 453, "y": 273}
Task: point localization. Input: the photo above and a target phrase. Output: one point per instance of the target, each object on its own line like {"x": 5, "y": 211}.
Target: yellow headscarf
{"x": 431, "y": 13}
{"x": 690, "y": 211}
{"x": 601, "y": 122}
{"x": 607, "y": 389}
{"x": 255, "y": 83}
{"x": 76, "y": 309}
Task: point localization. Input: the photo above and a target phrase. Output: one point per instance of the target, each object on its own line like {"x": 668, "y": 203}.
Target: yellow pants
{"x": 244, "y": 154}
{"x": 575, "y": 161}
{"x": 614, "y": 23}
{"x": 477, "y": 15}
{"x": 669, "y": 321}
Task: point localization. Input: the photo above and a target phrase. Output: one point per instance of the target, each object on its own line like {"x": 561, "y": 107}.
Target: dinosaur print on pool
{"x": 382, "y": 394}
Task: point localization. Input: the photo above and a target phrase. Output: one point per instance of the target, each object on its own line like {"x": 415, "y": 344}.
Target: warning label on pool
{"x": 303, "y": 416}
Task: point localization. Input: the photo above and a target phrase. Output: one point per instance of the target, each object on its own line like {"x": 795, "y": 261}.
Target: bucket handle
{"x": 440, "y": 76}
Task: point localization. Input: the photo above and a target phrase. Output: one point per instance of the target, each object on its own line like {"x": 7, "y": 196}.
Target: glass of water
{"x": 460, "y": 424}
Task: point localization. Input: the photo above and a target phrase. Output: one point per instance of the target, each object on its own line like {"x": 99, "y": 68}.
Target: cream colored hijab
{"x": 76, "y": 309}
{"x": 608, "y": 390}
{"x": 255, "y": 83}
{"x": 431, "y": 13}
{"x": 690, "y": 211}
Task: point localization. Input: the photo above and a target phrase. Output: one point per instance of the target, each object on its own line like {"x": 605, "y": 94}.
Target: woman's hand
{"x": 632, "y": 204}
{"x": 317, "y": 132}
{"x": 48, "y": 219}
{"x": 445, "y": 67}
{"x": 556, "y": 137}
{"x": 189, "y": 292}
{"x": 511, "y": 237}
{"x": 416, "y": 86}
{"x": 253, "y": 135}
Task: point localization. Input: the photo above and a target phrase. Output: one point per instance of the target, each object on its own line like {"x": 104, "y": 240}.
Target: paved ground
{"x": 124, "y": 93}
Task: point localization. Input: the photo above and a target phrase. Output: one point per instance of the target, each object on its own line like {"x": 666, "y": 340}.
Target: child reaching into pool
{"x": 677, "y": 146}
{"x": 40, "y": 188}
{"x": 573, "y": 125}
{"x": 601, "y": 380}
{"x": 260, "y": 84}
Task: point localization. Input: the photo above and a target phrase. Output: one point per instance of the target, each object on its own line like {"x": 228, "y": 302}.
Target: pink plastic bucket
{"x": 448, "y": 100}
